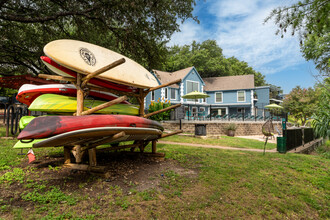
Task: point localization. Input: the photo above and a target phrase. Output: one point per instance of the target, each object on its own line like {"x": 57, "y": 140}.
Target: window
{"x": 218, "y": 97}
{"x": 173, "y": 93}
{"x": 166, "y": 93}
{"x": 201, "y": 109}
{"x": 191, "y": 87}
{"x": 152, "y": 95}
{"x": 241, "y": 96}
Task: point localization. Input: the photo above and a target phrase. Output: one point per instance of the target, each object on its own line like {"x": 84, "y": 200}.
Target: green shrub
{"x": 159, "y": 105}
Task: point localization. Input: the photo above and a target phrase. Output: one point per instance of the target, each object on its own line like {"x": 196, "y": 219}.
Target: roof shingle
{"x": 229, "y": 82}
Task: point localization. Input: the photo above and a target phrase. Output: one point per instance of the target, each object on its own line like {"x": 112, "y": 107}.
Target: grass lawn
{"x": 211, "y": 183}
{"x": 222, "y": 141}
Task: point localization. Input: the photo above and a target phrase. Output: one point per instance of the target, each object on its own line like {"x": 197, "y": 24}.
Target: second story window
{"x": 218, "y": 97}
{"x": 241, "y": 96}
{"x": 191, "y": 87}
{"x": 173, "y": 93}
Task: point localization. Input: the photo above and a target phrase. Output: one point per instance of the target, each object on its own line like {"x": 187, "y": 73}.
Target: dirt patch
{"x": 123, "y": 170}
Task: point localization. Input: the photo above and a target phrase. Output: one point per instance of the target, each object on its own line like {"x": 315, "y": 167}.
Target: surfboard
{"x": 29, "y": 92}
{"x": 92, "y": 135}
{"x": 65, "y": 104}
{"x": 87, "y": 58}
{"x": 63, "y": 71}
{"x": 43, "y": 127}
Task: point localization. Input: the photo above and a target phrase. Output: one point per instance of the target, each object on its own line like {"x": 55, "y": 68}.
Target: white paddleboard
{"x": 87, "y": 58}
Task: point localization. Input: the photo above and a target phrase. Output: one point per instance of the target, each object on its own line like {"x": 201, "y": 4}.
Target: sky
{"x": 239, "y": 29}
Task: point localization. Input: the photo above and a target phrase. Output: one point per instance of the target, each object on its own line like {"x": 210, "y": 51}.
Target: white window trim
{"x": 171, "y": 94}
{"x": 152, "y": 92}
{"x": 215, "y": 97}
{"x": 192, "y": 91}
{"x": 244, "y": 95}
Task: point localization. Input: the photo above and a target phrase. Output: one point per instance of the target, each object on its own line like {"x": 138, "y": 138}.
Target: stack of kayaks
{"x": 68, "y": 58}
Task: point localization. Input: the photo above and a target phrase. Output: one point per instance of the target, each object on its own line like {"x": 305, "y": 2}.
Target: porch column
{"x": 181, "y": 93}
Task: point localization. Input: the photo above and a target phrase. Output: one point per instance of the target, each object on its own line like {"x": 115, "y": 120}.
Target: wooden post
{"x": 67, "y": 157}
{"x": 154, "y": 143}
{"x": 141, "y": 102}
{"x": 80, "y": 108}
{"x": 92, "y": 157}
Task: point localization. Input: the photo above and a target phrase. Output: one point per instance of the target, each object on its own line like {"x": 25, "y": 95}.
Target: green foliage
{"x": 54, "y": 196}
{"x": 209, "y": 61}
{"x": 301, "y": 103}
{"x": 17, "y": 175}
{"x": 310, "y": 18}
{"x": 138, "y": 29}
{"x": 159, "y": 105}
{"x": 321, "y": 122}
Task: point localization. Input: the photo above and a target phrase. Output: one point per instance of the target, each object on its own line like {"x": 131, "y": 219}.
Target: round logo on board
{"x": 87, "y": 56}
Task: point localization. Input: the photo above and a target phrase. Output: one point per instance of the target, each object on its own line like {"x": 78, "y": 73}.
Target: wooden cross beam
{"x": 102, "y": 106}
{"x": 102, "y": 70}
{"x": 162, "y": 110}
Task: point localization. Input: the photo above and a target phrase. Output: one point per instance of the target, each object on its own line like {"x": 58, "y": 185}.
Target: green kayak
{"x": 65, "y": 104}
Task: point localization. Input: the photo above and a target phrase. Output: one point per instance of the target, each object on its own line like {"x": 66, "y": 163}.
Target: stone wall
{"x": 218, "y": 128}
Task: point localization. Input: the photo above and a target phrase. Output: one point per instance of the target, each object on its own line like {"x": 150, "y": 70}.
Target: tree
{"x": 321, "y": 116}
{"x": 136, "y": 28}
{"x": 208, "y": 59}
{"x": 310, "y": 18}
{"x": 301, "y": 103}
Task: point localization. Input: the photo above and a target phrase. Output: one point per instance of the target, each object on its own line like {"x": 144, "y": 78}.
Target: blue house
{"x": 229, "y": 95}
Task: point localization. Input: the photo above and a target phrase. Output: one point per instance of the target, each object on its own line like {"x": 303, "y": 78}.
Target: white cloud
{"x": 239, "y": 30}
{"x": 189, "y": 32}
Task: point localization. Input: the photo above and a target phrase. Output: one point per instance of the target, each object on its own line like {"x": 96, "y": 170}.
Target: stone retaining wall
{"x": 218, "y": 128}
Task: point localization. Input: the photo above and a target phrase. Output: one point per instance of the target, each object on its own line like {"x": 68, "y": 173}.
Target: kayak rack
{"x": 82, "y": 86}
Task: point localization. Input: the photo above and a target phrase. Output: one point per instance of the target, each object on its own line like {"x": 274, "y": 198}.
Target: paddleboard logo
{"x": 87, "y": 56}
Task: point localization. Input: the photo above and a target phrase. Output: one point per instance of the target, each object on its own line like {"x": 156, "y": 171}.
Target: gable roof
{"x": 229, "y": 82}
{"x": 166, "y": 77}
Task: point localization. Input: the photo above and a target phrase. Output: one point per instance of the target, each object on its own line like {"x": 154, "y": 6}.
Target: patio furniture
{"x": 268, "y": 131}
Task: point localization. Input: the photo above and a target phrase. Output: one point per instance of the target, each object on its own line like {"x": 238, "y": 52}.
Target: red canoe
{"x": 43, "y": 127}
{"x": 63, "y": 71}
{"x": 28, "y": 92}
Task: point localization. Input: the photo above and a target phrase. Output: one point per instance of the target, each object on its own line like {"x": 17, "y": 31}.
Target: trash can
{"x": 281, "y": 144}
{"x": 200, "y": 129}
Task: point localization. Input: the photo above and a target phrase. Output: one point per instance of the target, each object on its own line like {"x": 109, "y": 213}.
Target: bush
{"x": 156, "y": 106}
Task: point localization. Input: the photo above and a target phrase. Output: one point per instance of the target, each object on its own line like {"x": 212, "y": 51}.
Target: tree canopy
{"x": 310, "y": 19}
{"x": 301, "y": 103}
{"x": 208, "y": 59}
{"x": 136, "y": 28}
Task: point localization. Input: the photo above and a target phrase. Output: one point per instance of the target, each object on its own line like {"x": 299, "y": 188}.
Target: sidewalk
{"x": 218, "y": 147}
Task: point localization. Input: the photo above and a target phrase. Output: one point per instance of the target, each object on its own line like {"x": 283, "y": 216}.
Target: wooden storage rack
{"x": 82, "y": 89}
